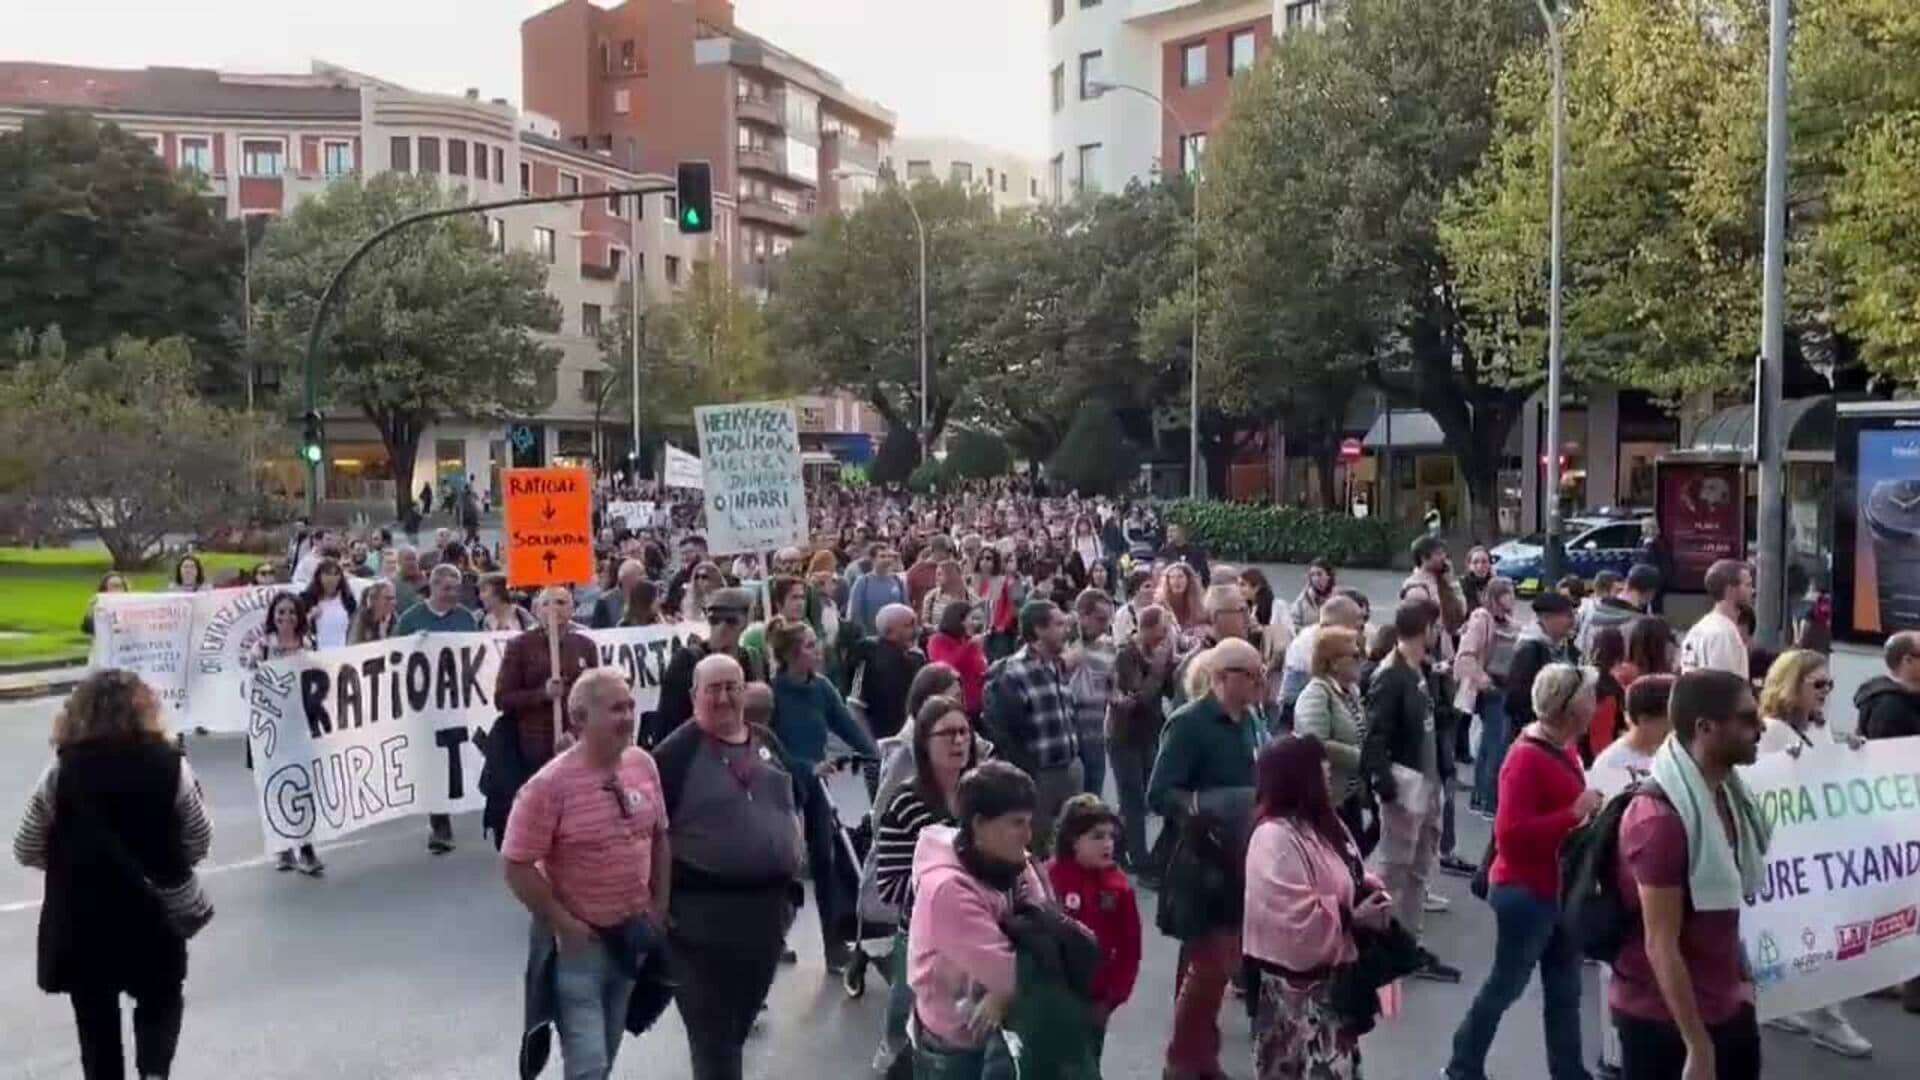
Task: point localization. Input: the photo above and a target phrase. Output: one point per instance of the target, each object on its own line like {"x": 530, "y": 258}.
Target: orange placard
{"x": 549, "y": 516}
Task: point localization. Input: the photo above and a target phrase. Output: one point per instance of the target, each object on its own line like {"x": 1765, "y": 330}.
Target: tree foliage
{"x": 115, "y": 441}
{"x": 104, "y": 241}
{"x": 432, "y": 324}
{"x": 973, "y": 454}
{"x": 1095, "y": 457}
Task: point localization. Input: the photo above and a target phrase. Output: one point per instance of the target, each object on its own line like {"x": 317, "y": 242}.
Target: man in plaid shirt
{"x": 1030, "y": 714}
{"x": 1091, "y": 664}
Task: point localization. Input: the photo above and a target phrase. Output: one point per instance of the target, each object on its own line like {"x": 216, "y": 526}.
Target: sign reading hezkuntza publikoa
{"x": 755, "y": 498}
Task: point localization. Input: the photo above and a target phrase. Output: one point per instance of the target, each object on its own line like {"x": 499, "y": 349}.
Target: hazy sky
{"x": 969, "y": 68}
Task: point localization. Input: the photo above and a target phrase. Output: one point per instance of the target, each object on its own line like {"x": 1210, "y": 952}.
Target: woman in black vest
{"x": 118, "y": 796}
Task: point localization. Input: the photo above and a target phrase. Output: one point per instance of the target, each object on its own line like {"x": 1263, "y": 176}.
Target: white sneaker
{"x": 1831, "y": 1031}
{"x": 1435, "y": 903}
{"x": 1791, "y": 1023}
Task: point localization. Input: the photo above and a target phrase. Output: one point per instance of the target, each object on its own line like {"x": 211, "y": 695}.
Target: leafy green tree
{"x": 846, "y": 302}
{"x": 116, "y": 441}
{"x": 103, "y": 241}
{"x": 977, "y": 455}
{"x": 1095, "y": 458}
{"x": 432, "y": 324}
{"x": 1323, "y": 254}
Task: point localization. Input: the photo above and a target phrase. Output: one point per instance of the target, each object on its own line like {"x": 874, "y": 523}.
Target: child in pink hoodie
{"x": 960, "y": 964}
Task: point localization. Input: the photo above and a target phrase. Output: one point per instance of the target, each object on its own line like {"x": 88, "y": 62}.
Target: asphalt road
{"x": 401, "y": 965}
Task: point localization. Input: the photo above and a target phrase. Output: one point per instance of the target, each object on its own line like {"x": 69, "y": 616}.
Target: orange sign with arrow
{"x": 549, "y": 517}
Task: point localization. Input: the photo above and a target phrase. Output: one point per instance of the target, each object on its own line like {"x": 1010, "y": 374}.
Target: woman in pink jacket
{"x": 1305, "y": 890}
{"x": 960, "y": 964}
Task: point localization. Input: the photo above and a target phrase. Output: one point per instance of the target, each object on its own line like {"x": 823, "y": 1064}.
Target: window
{"x": 590, "y": 320}
{"x": 479, "y": 161}
{"x": 429, "y": 154}
{"x": 592, "y": 383}
{"x": 526, "y": 179}
{"x": 670, "y": 207}
{"x": 569, "y": 184}
{"x": 626, "y": 55}
{"x": 400, "y": 154}
{"x": 456, "y": 157}
{"x": 1302, "y": 13}
{"x": 196, "y": 154}
{"x": 1193, "y": 64}
{"x": 1003, "y": 182}
{"x": 961, "y": 172}
{"x": 1090, "y": 73}
{"x": 640, "y": 266}
{"x": 673, "y": 269}
{"x": 1059, "y": 11}
{"x": 262, "y": 157}
{"x": 1084, "y": 4}
{"x": 919, "y": 170}
{"x": 336, "y": 159}
{"x": 1089, "y": 175}
{"x": 615, "y": 257}
{"x": 1059, "y": 88}
{"x": 1056, "y": 174}
{"x": 613, "y": 205}
{"x": 622, "y": 101}
{"x": 606, "y": 59}
{"x": 1033, "y": 186}
{"x": 496, "y": 234}
{"x": 543, "y": 242}
{"x": 1193, "y": 150}
{"x": 154, "y": 143}
{"x": 1240, "y": 52}
{"x": 499, "y": 165}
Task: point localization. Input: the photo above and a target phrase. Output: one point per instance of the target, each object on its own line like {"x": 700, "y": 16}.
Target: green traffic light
{"x": 312, "y": 453}
{"x": 692, "y": 217}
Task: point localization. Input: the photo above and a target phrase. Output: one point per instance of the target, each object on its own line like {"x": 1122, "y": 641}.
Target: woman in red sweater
{"x": 955, "y": 647}
{"x": 1094, "y": 890}
{"x": 1543, "y": 797}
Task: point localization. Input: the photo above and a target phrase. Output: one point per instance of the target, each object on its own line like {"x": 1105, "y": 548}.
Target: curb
{"x": 29, "y": 667}
{"x": 44, "y": 684}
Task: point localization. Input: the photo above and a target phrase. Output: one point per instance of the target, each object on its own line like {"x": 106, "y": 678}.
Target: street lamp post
{"x": 1769, "y": 436}
{"x": 1196, "y": 469}
{"x": 920, "y": 227}
{"x": 1554, "y": 555}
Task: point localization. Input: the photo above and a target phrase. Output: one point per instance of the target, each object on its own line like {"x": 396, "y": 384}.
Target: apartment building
{"x": 261, "y": 143}
{"x": 1185, "y": 52}
{"x": 1012, "y": 180}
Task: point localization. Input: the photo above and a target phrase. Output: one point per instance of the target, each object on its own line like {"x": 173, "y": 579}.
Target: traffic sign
{"x": 549, "y": 518}
{"x": 1350, "y": 450}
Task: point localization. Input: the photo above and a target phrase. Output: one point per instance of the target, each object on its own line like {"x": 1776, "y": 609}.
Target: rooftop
{"x": 186, "y": 91}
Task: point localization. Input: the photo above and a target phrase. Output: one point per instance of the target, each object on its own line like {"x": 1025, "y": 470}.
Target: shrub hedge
{"x": 1252, "y": 532}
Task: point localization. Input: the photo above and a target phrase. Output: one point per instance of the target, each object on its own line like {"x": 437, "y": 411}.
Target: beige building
{"x": 1012, "y": 180}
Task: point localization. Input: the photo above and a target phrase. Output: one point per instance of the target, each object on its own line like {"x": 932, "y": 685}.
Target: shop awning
{"x": 1808, "y": 420}
{"x": 1413, "y": 430}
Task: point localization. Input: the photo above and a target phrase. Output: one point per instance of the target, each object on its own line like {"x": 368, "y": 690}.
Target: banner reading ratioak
{"x": 1839, "y": 914}
{"x": 347, "y": 738}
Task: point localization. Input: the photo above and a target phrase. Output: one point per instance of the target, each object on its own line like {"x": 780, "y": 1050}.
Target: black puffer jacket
{"x": 1888, "y": 710}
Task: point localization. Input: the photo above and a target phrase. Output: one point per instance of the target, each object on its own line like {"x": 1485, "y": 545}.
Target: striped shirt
{"x": 591, "y": 832}
{"x": 30, "y": 841}
{"x": 893, "y": 846}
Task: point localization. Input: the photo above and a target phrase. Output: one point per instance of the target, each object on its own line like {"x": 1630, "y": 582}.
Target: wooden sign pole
{"x": 553, "y": 670}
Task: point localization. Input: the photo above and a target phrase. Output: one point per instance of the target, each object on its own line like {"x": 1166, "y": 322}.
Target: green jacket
{"x": 1050, "y": 1028}
{"x": 1201, "y": 749}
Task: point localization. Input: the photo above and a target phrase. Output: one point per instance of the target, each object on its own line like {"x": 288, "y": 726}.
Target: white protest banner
{"x": 755, "y": 497}
{"x": 683, "y": 469}
{"x": 192, "y": 648}
{"x": 347, "y": 738}
{"x": 637, "y": 514}
{"x": 1839, "y": 913}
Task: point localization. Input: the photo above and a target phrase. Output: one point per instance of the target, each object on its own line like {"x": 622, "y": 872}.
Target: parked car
{"x": 1593, "y": 545}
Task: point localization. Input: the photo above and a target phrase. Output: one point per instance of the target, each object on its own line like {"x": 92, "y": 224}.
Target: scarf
{"x": 1719, "y": 875}
{"x": 1000, "y": 875}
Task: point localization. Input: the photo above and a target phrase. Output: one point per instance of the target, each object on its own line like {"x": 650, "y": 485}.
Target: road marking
{"x": 257, "y": 860}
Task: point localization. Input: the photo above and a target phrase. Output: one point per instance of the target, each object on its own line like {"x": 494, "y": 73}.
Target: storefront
{"x": 1876, "y": 520}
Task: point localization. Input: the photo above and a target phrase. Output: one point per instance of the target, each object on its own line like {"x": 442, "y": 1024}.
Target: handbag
{"x": 186, "y": 908}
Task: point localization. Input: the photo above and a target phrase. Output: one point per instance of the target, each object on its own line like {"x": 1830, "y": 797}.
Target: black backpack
{"x": 1592, "y": 910}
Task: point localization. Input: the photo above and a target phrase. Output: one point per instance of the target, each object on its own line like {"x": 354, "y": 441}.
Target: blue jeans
{"x": 1491, "y": 707}
{"x": 1131, "y": 767}
{"x": 591, "y": 1003}
{"x": 1093, "y": 764}
{"x": 1528, "y": 934}
{"x": 899, "y": 995}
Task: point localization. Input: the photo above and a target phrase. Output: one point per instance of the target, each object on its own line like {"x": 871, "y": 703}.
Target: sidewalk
{"x": 25, "y": 685}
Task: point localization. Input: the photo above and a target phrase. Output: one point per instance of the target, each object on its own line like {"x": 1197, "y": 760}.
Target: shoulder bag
{"x": 185, "y": 906}
{"x": 1482, "y": 882}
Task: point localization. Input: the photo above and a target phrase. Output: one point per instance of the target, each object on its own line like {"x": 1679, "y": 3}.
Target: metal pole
{"x": 1768, "y": 436}
{"x": 634, "y": 329}
{"x": 920, "y": 229}
{"x": 1554, "y": 555}
{"x": 1197, "y": 478}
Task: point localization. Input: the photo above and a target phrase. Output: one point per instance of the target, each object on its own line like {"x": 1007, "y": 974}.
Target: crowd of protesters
{"x": 999, "y": 661}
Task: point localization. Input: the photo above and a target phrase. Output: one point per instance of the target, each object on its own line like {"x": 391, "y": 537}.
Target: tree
{"x": 102, "y": 240}
{"x": 1095, "y": 458}
{"x": 1324, "y": 262}
{"x": 115, "y": 441}
{"x": 977, "y": 455}
{"x": 432, "y": 323}
{"x": 846, "y": 303}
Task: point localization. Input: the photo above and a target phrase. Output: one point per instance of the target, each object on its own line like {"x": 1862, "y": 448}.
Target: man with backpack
{"x": 1691, "y": 848}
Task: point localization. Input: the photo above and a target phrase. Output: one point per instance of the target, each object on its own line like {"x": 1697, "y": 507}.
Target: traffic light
{"x": 695, "y": 183}
{"x": 311, "y": 444}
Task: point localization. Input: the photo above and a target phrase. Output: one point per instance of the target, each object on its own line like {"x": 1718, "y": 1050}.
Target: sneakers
{"x": 837, "y": 957}
{"x": 1830, "y": 1031}
{"x": 1435, "y": 904}
{"x": 1457, "y": 866}
{"x": 285, "y": 862}
{"x": 310, "y": 863}
{"x": 440, "y": 840}
{"x": 1791, "y": 1024}
{"x": 1433, "y": 969}
{"x": 788, "y": 956}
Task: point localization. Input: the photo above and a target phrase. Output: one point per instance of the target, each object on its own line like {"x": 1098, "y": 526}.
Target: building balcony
{"x": 598, "y": 272}
{"x": 768, "y": 212}
{"x": 770, "y": 111}
{"x": 850, "y": 153}
{"x": 773, "y": 162}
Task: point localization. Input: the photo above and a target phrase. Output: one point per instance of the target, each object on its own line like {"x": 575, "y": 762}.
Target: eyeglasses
{"x": 1823, "y": 684}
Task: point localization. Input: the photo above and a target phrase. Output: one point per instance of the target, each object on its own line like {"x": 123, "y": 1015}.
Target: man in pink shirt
{"x": 586, "y": 851}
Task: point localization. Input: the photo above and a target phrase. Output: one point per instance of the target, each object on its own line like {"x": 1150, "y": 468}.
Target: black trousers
{"x": 157, "y": 1014}
{"x": 1650, "y": 1050}
{"x": 816, "y": 819}
{"x": 719, "y": 989}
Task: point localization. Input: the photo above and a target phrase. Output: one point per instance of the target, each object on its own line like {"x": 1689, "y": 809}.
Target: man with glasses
{"x": 729, "y": 790}
{"x": 726, "y": 620}
{"x": 1203, "y": 785}
{"x": 587, "y": 852}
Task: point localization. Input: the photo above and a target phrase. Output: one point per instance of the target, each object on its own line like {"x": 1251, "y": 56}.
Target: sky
{"x": 973, "y": 69}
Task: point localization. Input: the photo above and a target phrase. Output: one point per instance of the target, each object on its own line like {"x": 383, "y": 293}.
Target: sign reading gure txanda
{"x": 755, "y": 498}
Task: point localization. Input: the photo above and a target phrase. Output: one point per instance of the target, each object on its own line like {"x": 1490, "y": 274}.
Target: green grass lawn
{"x": 44, "y": 593}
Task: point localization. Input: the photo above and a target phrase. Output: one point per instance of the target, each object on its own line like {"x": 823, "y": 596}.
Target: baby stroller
{"x": 860, "y": 918}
